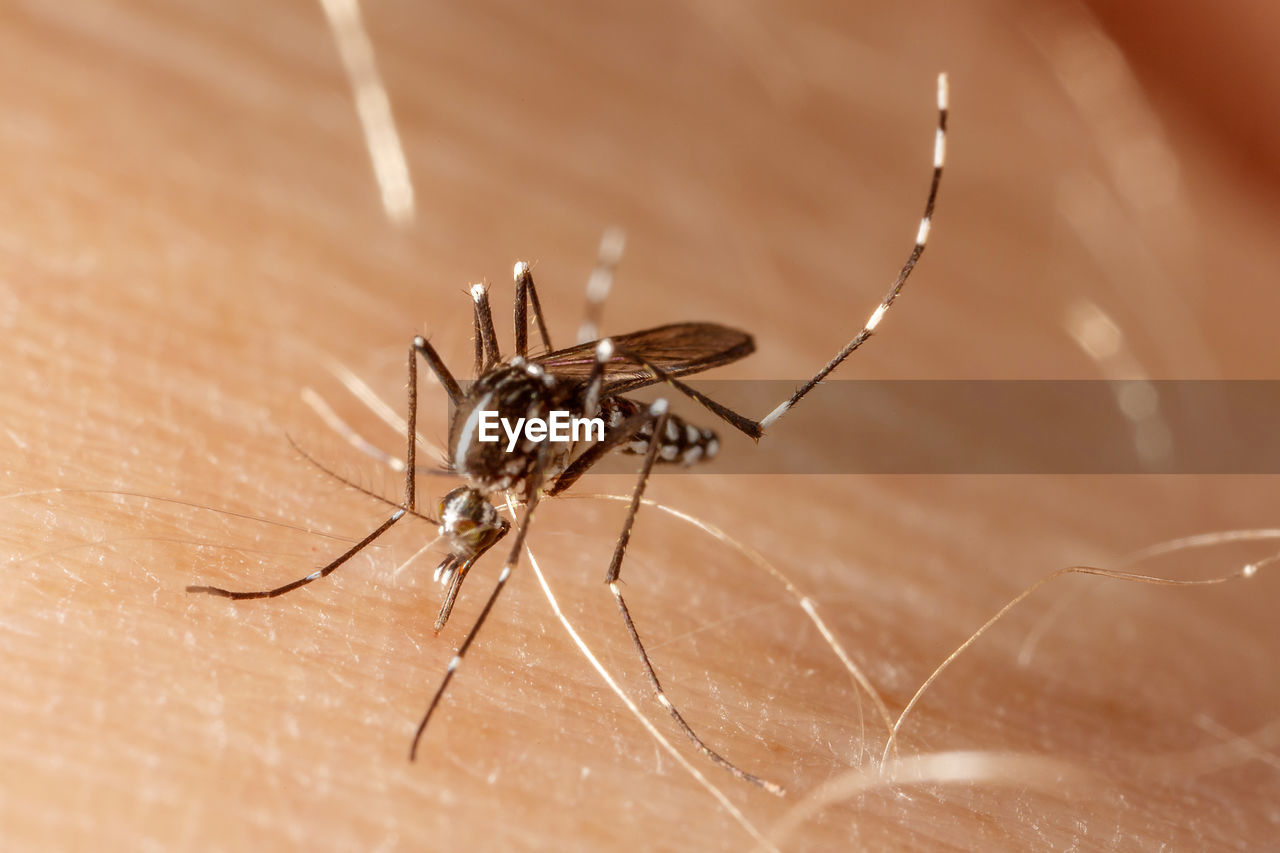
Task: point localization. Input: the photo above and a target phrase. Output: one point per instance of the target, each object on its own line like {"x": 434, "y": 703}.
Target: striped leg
{"x": 314, "y": 576}
{"x": 657, "y": 414}
{"x": 755, "y": 429}
{"x": 487, "y": 354}
{"x": 607, "y": 256}
{"x": 409, "y": 507}
{"x": 922, "y": 236}
{"x": 526, "y": 295}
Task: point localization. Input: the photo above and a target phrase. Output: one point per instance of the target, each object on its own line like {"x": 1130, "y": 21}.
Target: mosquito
{"x": 590, "y": 379}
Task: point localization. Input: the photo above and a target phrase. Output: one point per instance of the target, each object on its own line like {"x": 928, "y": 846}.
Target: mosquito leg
{"x": 484, "y": 330}
{"x": 411, "y": 424}
{"x": 409, "y": 507}
{"x": 740, "y": 422}
{"x": 755, "y": 429}
{"x": 590, "y": 407}
{"x": 657, "y": 413}
{"x": 612, "y": 243}
{"x": 437, "y": 365}
{"x": 314, "y": 576}
{"x": 513, "y": 559}
{"x": 526, "y": 292}
{"x": 478, "y": 337}
{"x": 595, "y": 380}
{"x": 614, "y": 438}
{"x": 521, "y": 304}
{"x": 922, "y": 236}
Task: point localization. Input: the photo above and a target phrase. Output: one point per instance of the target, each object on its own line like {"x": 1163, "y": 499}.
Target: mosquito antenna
{"x": 351, "y": 483}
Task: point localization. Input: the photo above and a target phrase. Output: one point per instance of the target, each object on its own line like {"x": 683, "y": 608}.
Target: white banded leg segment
{"x": 520, "y": 274}
{"x": 314, "y": 576}
{"x": 591, "y": 397}
{"x": 661, "y": 695}
{"x": 769, "y": 419}
{"x": 420, "y": 345}
{"x": 659, "y": 418}
{"x": 600, "y": 283}
{"x": 456, "y": 660}
{"x": 423, "y": 347}
{"x": 877, "y": 316}
{"x": 487, "y": 353}
{"x": 922, "y": 237}
{"x": 526, "y": 297}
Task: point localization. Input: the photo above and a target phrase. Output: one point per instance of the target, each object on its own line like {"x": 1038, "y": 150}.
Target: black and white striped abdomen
{"x": 681, "y": 442}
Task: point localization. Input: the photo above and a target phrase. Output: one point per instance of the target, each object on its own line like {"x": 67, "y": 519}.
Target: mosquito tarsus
{"x": 587, "y": 380}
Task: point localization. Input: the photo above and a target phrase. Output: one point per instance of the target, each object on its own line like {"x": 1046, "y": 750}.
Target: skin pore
{"x": 193, "y": 235}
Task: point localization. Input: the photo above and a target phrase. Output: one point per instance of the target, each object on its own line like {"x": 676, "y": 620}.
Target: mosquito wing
{"x": 679, "y": 349}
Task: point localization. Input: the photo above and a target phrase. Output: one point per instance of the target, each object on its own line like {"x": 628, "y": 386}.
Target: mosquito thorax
{"x": 515, "y": 390}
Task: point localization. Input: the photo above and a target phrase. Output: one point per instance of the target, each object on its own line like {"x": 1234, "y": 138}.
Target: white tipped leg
{"x": 658, "y": 415}
{"x": 526, "y": 297}
{"x": 487, "y": 354}
{"x": 591, "y": 397}
{"x": 922, "y": 237}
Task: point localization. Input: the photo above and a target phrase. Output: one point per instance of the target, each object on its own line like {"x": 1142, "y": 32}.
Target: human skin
{"x": 192, "y": 236}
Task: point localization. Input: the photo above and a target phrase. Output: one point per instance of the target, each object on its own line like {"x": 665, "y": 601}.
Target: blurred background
{"x": 211, "y": 213}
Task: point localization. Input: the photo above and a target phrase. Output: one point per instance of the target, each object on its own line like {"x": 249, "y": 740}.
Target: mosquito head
{"x": 469, "y": 522}
{"x": 472, "y": 525}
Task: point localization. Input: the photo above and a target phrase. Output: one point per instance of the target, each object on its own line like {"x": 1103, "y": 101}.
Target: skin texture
{"x": 192, "y": 235}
